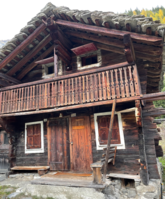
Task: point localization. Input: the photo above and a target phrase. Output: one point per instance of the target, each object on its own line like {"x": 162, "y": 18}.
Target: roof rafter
{"x": 19, "y": 48}
{"x": 110, "y": 32}
{"x": 10, "y": 79}
{"x": 30, "y": 55}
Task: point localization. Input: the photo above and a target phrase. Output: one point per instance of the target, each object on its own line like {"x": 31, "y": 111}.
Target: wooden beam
{"x": 154, "y": 96}
{"x": 55, "y": 63}
{"x": 19, "y": 48}
{"x": 109, "y": 139}
{"x": 139, "y": 55}
{"x": 151, "y": 50}
{"x": 4, "y": 83}
{"x": 142, "y": 151}
{"x": 45, "y": 61}
{"x": 63, "y": 51}
{"x": 129, "y": 49}
{"x": 30, "y": 55}
{"x": 110, "y": 32}
{"x": 10, "y": 79}
{"x": 33, "y": 64}
{"x": 100, "y": 69}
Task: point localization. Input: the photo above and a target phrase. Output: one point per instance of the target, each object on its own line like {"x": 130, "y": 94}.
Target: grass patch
{"x": 3, "y": 192}
{"x": 162, "y": 160}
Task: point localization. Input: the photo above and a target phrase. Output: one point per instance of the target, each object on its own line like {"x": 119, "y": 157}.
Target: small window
{"x": 50, "y": 70}
{"x": 3, "y": 138}
{"x": 34, "y": 138}
{"x": 6, "y": 139}
{"x": 89, "y": 60}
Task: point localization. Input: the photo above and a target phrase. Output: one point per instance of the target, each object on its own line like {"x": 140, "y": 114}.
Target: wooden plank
{"x": 29, "y": 168}
{"x": 30, "y": 55}
{"x": 129, "y": 49}
{"x": 19, "y": 48}
{"x": 122, "y": 83}
{"x": 100, "y": 86}
{"x": 80, "y": 92}
{"x": 109, "y": 139}
{"x": 96, "y": 87}
{"x": 91, "y": 89}
{"x": 45, "y": 61}
{"x": 117, "y": 84}
{"x": 124, "y": 176}
{"x": 110, "y": 32}
{"x": 126, "y": 82}
{"x": 130, "y": 81}
{"x": 55, "y": 64}
{"x": 112, "y": 85}
{"x": 142, "y": 149}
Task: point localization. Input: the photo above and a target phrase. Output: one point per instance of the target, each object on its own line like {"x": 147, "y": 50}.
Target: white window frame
{"x": 122, "y": 140}
{"x": 39, "y": 150}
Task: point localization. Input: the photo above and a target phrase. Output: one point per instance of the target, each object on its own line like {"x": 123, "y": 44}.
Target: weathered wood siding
{"x": 126, "y": 159}
{"x": 33, "y": 159}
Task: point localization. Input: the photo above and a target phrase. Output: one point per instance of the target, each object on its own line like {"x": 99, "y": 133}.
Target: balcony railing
{"x": 103, "y": 84}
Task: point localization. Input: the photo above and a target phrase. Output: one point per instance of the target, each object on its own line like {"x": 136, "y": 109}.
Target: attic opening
{"x": 50, "y": 70}
{"x": 89, "y": 60}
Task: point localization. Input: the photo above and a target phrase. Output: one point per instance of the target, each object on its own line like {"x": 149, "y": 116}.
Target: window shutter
{"x": 103, "y": 127}
{"x": 34, "y": 136}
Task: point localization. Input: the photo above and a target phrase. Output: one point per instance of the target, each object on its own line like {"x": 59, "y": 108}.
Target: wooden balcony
{"x": 89, "y": 88}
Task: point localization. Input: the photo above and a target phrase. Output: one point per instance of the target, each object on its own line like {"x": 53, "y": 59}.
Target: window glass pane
{"x": 6, "y": 139}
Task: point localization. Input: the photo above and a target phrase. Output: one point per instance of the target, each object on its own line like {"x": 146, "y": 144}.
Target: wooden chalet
{"x": 74, "y": 81}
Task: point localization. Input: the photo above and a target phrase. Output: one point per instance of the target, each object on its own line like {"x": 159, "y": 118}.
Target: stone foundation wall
{"x": 124, "y": 189}
{"x": 118, "y": 190}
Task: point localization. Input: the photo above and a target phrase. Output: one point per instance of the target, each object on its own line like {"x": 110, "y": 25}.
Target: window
{"x": 48, "y": 69}
{"x": 102, "y": 121}
{"x": 3, "y": 138}
{"x": 89, "y": 60}
{"x": 34, "y": 138}
{"x": 6, "y": 139}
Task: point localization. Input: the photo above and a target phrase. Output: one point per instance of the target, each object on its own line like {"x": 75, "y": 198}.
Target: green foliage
{"x": 161, "y": 103}
{"x": 157, "y": 13}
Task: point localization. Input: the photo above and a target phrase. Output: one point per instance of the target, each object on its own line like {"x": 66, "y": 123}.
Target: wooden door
{"x": 81, "y": 148}
{"x": 58, "y": 144}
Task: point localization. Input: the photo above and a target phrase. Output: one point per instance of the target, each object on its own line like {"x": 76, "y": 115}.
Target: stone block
{"x": 132, "y": 193}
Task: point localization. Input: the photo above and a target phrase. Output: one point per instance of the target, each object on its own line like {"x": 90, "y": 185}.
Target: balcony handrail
{"x": 123, "y": 64}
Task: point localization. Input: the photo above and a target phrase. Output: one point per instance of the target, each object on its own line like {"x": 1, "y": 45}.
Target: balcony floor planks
{"x": 71, "y": 107}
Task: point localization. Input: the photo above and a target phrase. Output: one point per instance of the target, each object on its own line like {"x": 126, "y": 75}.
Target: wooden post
{"x": 142, "y": 151}
{"x": 55, "y": 63}
{"x": 109, "y": 139}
